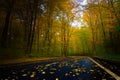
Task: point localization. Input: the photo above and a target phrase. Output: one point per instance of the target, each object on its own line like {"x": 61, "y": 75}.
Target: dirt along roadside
{"x": 26, "y": 60}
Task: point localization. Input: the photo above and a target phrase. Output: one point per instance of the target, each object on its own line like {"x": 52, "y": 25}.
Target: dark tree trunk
{"x": 6, "y": 24}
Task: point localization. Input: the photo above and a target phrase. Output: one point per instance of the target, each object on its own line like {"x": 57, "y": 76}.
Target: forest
{"x": 52, "y": 28}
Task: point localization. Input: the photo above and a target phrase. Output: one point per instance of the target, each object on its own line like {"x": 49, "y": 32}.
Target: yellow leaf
{"x": 24, "y": 75}
{"x": 66, "y": 74}
{"x": 43, "y": 72}
{"x": 104, "y": 79}
{"x": 91, "y": 70}
{"x": 51, "y": 72}
{"x": 57, "y": 79}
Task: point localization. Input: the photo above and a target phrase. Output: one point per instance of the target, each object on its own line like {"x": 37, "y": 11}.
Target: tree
{"x": 8, "y": 5}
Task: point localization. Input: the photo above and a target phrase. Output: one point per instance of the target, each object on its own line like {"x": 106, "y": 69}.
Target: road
{"x": 63, "y": 69}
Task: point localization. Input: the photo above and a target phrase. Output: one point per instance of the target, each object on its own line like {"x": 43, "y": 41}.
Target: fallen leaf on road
{"x": 51, "y": 72}
{"x": 43, "y": 72}
{"x": 57, "y": 79}
{"x": 32, "y": 75}
{"x": 77, "y": 74}
{"x": 24, "y": 74}
{"x": 66, "y": 74}
{"x": 104, "y": 79}
{"x": 91, "y": 70}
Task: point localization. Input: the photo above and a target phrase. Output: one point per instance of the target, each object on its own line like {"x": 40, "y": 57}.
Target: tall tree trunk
{"x": 6, "y": 26}
{"x": 33, "y": 28}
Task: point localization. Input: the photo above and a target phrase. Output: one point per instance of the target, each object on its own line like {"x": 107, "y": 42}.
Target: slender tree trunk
{"x": 33, "y": 28}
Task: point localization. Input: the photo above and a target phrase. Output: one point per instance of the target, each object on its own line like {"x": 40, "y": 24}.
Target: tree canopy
{"x": 59, "y": 27}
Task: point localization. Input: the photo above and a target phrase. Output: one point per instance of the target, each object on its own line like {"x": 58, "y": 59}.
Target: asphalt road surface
{"x": 63, "y": 69}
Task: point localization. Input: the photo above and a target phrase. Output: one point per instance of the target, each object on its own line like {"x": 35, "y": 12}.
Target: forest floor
{"x": 21, "y": 60}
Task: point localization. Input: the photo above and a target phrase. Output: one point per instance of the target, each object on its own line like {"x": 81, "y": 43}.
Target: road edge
{"x": 105, "y": 69}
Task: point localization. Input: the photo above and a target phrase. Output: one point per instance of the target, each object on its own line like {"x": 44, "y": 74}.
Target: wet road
{"x": 63, "y": 69}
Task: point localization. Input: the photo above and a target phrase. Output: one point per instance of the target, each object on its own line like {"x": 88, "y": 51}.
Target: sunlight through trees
{"x": 59, "y": 27}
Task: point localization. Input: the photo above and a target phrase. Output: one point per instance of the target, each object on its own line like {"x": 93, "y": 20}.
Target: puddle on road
{"x": 66, "y": 69}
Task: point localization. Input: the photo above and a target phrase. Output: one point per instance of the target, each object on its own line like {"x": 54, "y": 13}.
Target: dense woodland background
{"x": 40, "y": 28}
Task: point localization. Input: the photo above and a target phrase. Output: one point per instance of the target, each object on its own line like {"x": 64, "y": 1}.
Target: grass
{"x": 108, "y": 56}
